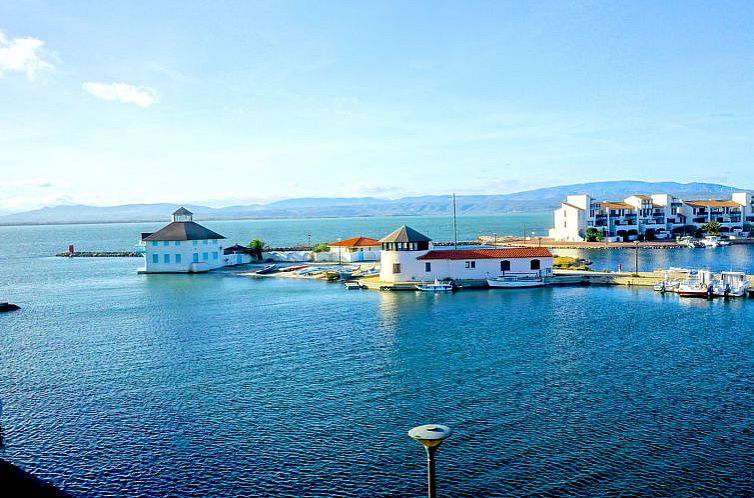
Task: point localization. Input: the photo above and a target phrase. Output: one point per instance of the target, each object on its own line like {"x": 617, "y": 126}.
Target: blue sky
{"x": 233, "y": 102}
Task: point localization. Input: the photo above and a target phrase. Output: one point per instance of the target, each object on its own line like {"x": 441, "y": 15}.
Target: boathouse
{"x": 354, "y": 250}
{"x": 182, "y": 246}
{"x": 409, "y": 256}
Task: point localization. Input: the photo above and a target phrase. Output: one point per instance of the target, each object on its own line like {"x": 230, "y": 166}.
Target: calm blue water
{"x": 117, "y": 384}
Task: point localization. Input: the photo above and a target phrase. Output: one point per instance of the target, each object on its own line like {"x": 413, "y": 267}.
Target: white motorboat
{"x": 731, "y": 284}
{"x": 667, "y": 286}
{"x": 711, "y": 241}
{"x": 693, "y": 287}
{"x": 435, "y": 286}
{"x": 516, "y": 281}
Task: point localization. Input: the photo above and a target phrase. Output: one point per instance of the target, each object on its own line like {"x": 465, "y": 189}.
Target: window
{"x": 196, "y": 257}
{"x": 154, "y": 243}
{"x": 427, "y": 266}
{"x": 205, "y": 256}
{"x": 396, "y": 267}
{"x": 535, "y": 264}
{"x": 177, "y": 259}
{"x": 166, "y": 243}
{"x": 214, "y": 255}
{"x": 177, "y": 242}
{"x": 470, "y": 264}
{"x": 166, "y": 258}
{"x": 505, "y": 265}
{"x": 214, "y": 241}
{"x": 204, "y": 242}
{"x": 195, "y": 242}
{"x": 155, "y": 258}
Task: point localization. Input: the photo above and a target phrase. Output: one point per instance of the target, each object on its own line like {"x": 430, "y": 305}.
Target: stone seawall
{"x": 100, "y": 254}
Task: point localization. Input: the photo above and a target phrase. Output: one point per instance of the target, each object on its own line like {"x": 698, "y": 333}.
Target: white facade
{"x": 184, "y": 246}
{"x": 658, "y": 215}
{"x": 408, "y": 266}
{"x": 349, "y": 254}
{"x": 183, "y": 256}
{"x": 401, "y": 266}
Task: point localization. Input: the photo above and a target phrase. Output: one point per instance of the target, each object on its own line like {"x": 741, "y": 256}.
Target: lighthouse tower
{"x": 399, "y": 252}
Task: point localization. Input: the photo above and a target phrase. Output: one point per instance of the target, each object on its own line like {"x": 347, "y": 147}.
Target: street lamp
{"x": 431, "y": 437}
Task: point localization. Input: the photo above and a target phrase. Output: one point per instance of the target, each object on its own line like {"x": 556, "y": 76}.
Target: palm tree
{"x": 257, "y": 247}
{"x": 711, "y": 228}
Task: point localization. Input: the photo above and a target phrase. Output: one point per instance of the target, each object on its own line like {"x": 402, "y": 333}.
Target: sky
{"x": 223, "y": 103}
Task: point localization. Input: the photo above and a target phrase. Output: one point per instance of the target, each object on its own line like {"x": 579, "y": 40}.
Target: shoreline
{"x": 554, "y": 244}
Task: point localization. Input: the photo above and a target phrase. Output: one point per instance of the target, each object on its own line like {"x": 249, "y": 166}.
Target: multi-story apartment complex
{"x": 655, "y": 216}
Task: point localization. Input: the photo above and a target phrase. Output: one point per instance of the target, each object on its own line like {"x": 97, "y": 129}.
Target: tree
{"x": 594, "y": 235}
{"x": 320, "y": 248}
{"x": 257, "y": 248}
{"x": 711, "y": 228}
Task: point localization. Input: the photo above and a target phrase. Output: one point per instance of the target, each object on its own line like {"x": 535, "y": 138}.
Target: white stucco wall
{"x": 415, "y": 270}
{"x": 186, "y": 249}
{"x": 568, "y": 224}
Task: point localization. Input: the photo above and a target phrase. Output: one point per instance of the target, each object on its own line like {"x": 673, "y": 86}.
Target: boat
{"x": 731, "y": 284}
{"x": 352, "y": 285}
{"x": 711, "y": 241}
{"x": 436, "y": 286}
{"x": 8, "y": 307}
{"x": 689, "y": 242}
{"x": 294, "y": 268}
{"x": 267, "y": 269}
{"x": 515, "y": 281}
{"x": 667, "y": 286}
{"x": 699, "y": 285}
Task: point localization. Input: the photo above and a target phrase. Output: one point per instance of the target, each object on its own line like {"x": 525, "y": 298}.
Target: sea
{"x": 120, "y": 384}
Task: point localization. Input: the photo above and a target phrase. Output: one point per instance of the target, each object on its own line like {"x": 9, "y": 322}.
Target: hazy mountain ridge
{"x": 542, "y": 199}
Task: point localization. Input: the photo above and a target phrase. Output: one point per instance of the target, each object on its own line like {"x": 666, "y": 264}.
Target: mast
{"x": 455, "y": 224}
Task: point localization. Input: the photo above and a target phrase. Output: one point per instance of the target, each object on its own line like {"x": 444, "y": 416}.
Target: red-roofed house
{"x": 409, "y": 256}
{"x": 353, "y": 250}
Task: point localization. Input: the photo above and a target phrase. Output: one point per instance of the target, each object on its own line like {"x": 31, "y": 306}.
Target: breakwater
{"x": 99, "y": 254}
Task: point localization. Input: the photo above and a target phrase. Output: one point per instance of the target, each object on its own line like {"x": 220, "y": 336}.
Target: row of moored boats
{"x": 506, "y": 281}
{"x": 703, "y": 283}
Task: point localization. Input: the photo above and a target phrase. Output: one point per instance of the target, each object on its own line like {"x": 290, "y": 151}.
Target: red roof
{"x": 513, "y": 252}
{"x": 355, "y": 242}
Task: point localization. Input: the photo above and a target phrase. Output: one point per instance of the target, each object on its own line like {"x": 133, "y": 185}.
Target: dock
{"x": 559, "y": 278}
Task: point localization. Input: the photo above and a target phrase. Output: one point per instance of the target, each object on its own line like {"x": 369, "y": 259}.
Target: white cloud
{"x": 22, "y": 54}
{"x": 143, "y": 96}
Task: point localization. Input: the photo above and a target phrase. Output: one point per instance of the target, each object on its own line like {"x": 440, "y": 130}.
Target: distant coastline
{"x": 526, "y": 202}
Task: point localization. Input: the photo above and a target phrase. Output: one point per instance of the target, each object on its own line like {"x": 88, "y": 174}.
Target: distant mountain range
{"x": 542, "y": 199}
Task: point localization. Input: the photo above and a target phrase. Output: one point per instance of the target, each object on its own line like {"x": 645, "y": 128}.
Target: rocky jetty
{"x": 99, "y": 254}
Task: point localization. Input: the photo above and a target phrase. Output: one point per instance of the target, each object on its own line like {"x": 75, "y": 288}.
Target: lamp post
{"x": 636, "y": 258}
{"x": 431, "y": 437}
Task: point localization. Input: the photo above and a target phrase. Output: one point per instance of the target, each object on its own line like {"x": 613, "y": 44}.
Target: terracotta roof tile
{"x": 508, "y": 253}
{"x": 355, "y": 242}
{"x": 712, "y": 203}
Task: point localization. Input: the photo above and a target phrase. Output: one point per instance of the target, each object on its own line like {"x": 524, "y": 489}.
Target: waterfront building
{"x": 354, "y": 250}
{"x": 656, "y": 216}
{"x": 237, "y": 255}
{"x": 182, "y": 246}
{"x": 408, "y": 256}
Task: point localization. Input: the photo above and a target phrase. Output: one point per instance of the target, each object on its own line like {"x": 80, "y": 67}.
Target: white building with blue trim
{"x": 183, "y": 246}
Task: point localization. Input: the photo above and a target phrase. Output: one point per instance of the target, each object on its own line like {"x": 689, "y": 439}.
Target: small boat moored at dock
{"x": 436, "y": 286}
{"x": 515, "y": 281}
{"x": 699, "y": 285}
{"x": 731, "y": 284}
